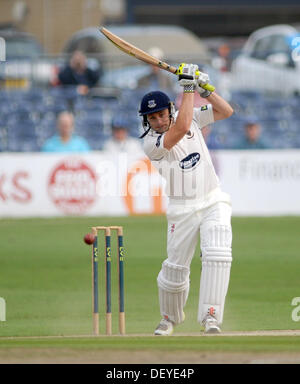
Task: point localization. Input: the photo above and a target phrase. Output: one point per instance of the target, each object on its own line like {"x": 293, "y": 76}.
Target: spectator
{"x": 121, "y": 141}
{"x": 65, "y": 141}
{"x": 156, "y": 79}
{"x": 251, "y": 139}
{"x": 78, "y": 73}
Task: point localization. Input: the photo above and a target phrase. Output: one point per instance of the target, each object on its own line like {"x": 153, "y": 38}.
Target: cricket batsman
{"x": 197, "y": 206}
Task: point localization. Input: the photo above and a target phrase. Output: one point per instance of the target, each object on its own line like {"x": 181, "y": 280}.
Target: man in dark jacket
{"x": 78, "y": 73}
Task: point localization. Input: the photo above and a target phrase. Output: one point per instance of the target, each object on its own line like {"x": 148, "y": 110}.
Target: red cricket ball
{"x": 89, "y": 238}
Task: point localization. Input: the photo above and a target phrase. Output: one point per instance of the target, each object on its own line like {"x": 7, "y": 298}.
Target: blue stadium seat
{"x": 129, "y": 118}
{"x": 64, "y": 92}
{"x": 90, "y": 126}
{"x": 89, "y": 104}
{"x": 23, "y": 145}
{"x": 22, "y": 129}
{"x": 34, "y": 95}
{"x": 46, "y": 129}
{"x": 226, "y": 132}
{"x": 97, "y": 142}
{"x": 22, "y": 137}
{"x": 2, "y": 139}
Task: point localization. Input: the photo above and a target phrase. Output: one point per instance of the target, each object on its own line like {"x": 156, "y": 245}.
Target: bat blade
{"x": 139, "y": 54}
{"x": 136, "y": 52}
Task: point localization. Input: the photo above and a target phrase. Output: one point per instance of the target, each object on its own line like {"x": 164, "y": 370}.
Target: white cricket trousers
{"x": 186, "y": 222}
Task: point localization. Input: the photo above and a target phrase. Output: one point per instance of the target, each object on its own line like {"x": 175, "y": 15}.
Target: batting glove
{"x": 187, "y": 76}
{"x": 202, "y": 81}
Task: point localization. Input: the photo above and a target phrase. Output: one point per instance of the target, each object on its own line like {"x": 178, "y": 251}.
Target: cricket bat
{"x": 139, "y": 54}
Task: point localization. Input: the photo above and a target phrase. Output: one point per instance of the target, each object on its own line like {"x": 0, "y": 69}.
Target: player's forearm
{"x": 185, "y": 114}
{"x": 222, "y": 109}
{"x": 183, "y": 122}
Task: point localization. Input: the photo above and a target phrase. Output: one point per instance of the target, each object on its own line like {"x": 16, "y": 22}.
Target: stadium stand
{"x": 28, "y": 118}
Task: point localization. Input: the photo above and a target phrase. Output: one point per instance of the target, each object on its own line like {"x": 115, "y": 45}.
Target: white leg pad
{"x": 216, "y": 265}
{"x": 173, "y": 285}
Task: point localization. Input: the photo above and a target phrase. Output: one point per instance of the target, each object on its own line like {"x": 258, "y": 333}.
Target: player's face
{"x": 159, "y": 121}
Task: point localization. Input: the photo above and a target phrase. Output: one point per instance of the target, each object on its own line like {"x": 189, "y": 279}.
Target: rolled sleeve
{"x": 204, "y": 115}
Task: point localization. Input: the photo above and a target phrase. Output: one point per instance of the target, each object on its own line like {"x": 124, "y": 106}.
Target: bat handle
{"x": 208, "y": 87}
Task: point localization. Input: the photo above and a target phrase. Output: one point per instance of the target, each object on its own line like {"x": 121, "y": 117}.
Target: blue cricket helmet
{"x": 154, "y": 102}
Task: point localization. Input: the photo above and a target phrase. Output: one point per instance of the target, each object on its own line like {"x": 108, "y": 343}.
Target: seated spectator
{"x": 64, "y": 140}
{"x": 121, "y": 141}
{"x": 251, "y": 139}
{"x": 78, "y": 73}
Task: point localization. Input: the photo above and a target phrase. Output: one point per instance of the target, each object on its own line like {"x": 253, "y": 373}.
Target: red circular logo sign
{"x": 72, "y": 186}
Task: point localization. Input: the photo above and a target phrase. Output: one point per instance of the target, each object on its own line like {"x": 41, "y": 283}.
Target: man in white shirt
{"x": 197, "y": 206}
{"x": 121, "y": 141}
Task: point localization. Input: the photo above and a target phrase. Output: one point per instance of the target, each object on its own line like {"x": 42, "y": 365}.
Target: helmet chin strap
{"x": 145, "y": 133}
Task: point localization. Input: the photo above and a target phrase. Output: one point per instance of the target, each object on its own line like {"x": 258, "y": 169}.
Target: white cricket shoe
{"x": 211, "y": 325}
{"x": 164, "y": 328}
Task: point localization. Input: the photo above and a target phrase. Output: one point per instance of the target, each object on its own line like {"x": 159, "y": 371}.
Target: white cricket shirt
{"x": 187, "y": 167}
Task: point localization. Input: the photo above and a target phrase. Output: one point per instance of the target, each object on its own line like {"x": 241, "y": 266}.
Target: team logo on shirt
{"x": 190, "y": 161}
{"x": 204, "y": 108}
{"x": 151, "y": 104}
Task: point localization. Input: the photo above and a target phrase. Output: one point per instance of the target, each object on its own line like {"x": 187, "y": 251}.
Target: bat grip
{"x": 207, "y": 86}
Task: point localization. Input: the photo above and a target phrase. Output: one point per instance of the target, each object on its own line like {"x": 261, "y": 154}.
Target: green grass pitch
{"x": 45, "y": 278}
